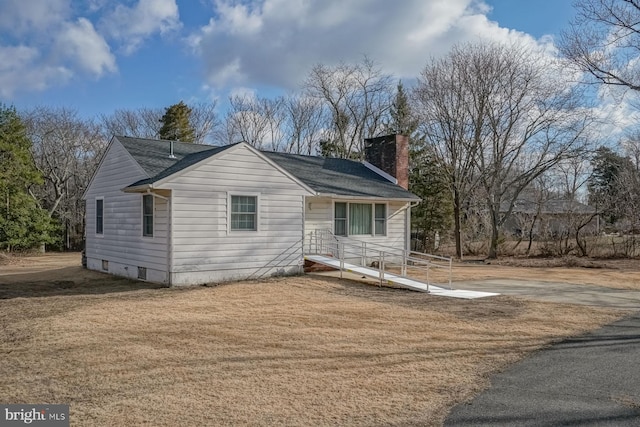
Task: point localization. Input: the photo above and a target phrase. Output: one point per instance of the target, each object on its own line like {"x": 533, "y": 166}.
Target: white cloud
{"x": 616, "y": 113}
{"x": 48, "y": 42}
{"x": 276, "y": 42}
{"x": 19, "y": 67}
{"x": 82, "y": 45}
{"x": 25, "y": 16}
{"x": 132, "y": 25}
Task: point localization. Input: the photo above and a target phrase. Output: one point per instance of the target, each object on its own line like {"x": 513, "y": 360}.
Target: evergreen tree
{"x": 176, "y": 123}
{"x": 606, "y": 189}
{"x": 434, "y": 215}
{"x": 23, "y": 224}
{"x": 403, "y": 121}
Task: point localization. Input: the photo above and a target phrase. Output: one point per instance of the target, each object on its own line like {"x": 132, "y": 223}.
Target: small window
{"x": 380, "y": 219}
{"x": 99, "y": 216}
{"x": 244, "y": 213}
{"x": 105, "y": 265}
{"x": 142, "y": 273}
{"x": 340, "y": 219}
{"x": 147, "y": 215}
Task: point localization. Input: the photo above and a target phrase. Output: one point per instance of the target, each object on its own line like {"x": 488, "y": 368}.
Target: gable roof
{"x": 341, "y": 177}
{"x": 552, "y": 206}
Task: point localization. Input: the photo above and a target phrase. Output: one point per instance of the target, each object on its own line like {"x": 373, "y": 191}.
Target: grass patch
{"x": 293, "y": 351}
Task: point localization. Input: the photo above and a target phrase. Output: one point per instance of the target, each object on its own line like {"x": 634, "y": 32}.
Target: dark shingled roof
{"x": 153, "y": 156}
{"x": 323, "y": 175}
{"x": 339, "y": 176}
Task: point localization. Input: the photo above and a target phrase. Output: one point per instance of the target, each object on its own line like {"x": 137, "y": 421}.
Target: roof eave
{"x": 348, "y": 197}
{"x": 138, "y": 188}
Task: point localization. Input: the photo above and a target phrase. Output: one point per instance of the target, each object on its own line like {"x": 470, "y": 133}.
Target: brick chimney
{"x": 390, "y": 153}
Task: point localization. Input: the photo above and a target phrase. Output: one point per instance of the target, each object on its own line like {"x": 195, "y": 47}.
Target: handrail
{"x": 326, "y": 243}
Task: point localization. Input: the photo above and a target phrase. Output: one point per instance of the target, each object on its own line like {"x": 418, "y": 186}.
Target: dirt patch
{"x": 294, "y": 351}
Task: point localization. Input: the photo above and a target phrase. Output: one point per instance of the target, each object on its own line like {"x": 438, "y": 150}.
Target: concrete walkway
{"x": 557, "y": 292}
{"x": 592, "y": 380}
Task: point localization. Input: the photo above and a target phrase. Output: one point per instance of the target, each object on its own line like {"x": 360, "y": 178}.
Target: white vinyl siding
{"x": 206, "y": 248}
{"x": 122, "y": 243}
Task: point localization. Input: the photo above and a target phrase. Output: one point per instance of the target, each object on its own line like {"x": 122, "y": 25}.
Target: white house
{"x": 186, "y": 214}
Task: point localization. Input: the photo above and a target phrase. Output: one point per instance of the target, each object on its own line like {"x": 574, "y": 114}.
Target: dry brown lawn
{"x": 295, "y": 351}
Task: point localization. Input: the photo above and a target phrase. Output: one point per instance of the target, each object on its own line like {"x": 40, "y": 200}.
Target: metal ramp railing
{"x": 387, "y": 263}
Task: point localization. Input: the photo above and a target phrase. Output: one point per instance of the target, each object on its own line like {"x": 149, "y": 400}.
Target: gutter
{"x": 341, "y": 196}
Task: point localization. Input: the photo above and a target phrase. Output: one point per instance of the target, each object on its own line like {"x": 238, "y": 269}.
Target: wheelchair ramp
{"x": 397, "y": 280}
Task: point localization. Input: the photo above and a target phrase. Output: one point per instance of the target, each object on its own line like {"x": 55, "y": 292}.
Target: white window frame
{"x": 95, "y": 217}
{"x": 153, "y": 216}
{"x": 373, "y": 217}
{"x": 346, "y": 218}
{"x": 386, "y": 216}
{"x": 229, "y": 213}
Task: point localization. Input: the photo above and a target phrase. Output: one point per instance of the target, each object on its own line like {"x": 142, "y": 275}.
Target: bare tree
{"x": 604, "y": 41}
{"x": 574, "y": 174}
{"x": 303, "y": 124}
{"x": 66, "y": 149}
{"x": 145, "y": 122}
{"x": 254, "y": 120}
{"x": 445, "y": 107}
{"x": 499, "y": 117}
{"x": 356, "y": 99}
{"x": 527, "y": 213}
{"x": 533, "y": 121}
{"x": 140, "y": 123}
{"x": 205, "y": 121}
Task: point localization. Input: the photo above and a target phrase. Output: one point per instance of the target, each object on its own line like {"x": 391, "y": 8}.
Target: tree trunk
{"x": 493, "y": 244}
{"x": 457, "y": 224}
{"x": 533, "y": 224}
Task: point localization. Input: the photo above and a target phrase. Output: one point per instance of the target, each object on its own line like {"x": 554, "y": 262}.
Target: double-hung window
{"x": 244, "y": 213}
{"x": 380, "y": 219}
{"x": 147, "y": 215}
{"x": 99, "y": 216}
{"x": 340, "y": 219}
{"x": 353, "y": 219}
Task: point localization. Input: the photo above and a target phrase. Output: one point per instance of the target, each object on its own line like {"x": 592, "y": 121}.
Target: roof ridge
{"x": 167, "y": 140}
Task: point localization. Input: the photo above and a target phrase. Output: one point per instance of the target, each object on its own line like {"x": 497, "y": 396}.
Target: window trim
{"x": 373, "y": 217}
{"x": 230, "y": 196}
{"x": 345, "y": 219}
{"x": 153, "y": 216}
{"x": 385, "y": 219}
{"x": 95, "y": 217}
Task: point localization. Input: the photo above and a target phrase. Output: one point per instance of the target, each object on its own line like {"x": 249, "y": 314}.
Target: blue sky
{"x": 100, "y": 55}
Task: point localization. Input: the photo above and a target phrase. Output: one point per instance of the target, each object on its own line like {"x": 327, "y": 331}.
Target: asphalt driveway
{"x": 592, "y": 380}
{"x": 557, "y": 292}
